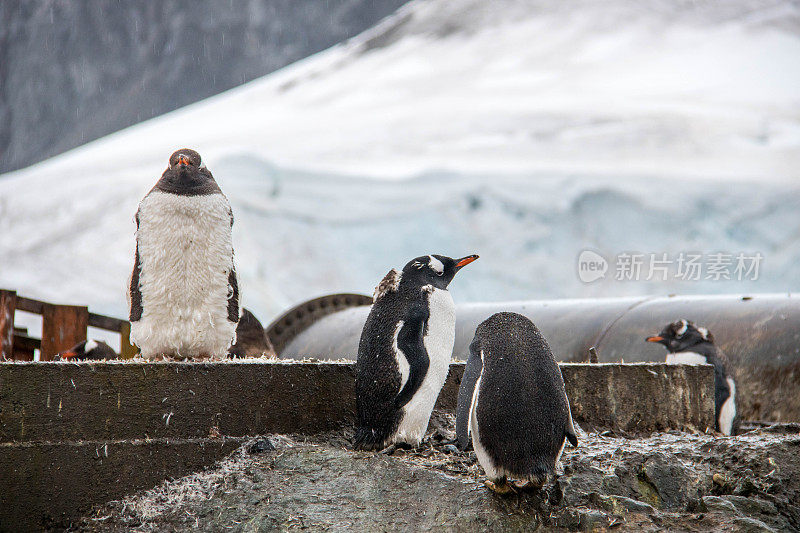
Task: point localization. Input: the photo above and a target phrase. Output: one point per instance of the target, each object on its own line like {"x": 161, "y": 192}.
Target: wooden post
{"x": 8, "y": 304}
{"x": 63, "y": 326}
{"x": 24, "y": 346}
{"x": 126, "y": 349}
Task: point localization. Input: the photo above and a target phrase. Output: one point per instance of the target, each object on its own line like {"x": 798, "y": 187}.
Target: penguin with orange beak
{"x": 184, "y": 291}
{"x": 690, "y": 344}
{"x": 88, "y": 350}
{"x": 404, "y": 353}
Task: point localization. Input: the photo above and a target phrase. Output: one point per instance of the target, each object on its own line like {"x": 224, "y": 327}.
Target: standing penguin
{"x": 405, "y": 350}
{"x": 519, "y": 415}
{"x": 183, "y": 293}
{"x": 692, "y": 345}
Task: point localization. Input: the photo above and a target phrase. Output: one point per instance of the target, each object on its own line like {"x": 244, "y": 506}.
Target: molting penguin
{"x": 518, "y": 411}
{"x": 183, "y": 293}
{"x": 692, "y": 345}
{"x": 88, "y": 350}
{"x": 404, "y": 353}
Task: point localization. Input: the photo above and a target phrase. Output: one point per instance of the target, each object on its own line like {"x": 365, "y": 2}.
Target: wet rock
{"x": 745, "y": 487}
{"x": 261, "y": 446}
{"x": 752, "y": 505}
{"x": 606, "y": 483}
{"x": 751, "y": 525}
{"x": 760, "y": 509}
{"x": 620, "y": 504}
{"x": 670, "y": 480}
{"x": 717, "y": 503}
{"x": 592, "y": 521}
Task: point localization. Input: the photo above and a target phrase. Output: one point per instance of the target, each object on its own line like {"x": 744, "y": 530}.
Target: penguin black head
{"x": 185, "y": 159}
{"x": 681, "y": 335}
{"x": 187, "y": 175}
{"x": 436, "y": 270}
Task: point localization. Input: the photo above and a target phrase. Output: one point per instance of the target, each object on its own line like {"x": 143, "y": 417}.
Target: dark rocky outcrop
{"x": 679, "y": 481}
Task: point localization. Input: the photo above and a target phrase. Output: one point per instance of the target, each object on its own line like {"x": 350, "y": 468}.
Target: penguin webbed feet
{"x": 500, "y": 486}
{"x": 503, "y": 486}
{"x": 392, "y": 448}
{"x": 529, "y": 485}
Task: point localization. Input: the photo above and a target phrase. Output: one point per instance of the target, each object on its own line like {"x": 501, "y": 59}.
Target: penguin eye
{"x": 438, "y": 272}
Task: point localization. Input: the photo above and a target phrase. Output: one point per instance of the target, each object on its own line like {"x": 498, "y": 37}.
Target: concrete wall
{"x": 77, "y": 434}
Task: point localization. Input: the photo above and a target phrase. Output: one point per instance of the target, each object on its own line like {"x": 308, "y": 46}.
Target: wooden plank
{"x": 63, "y": 326}
{"x": 106, "y": 322}
{"x": 24, "y": 347}
{"x": 26, "y": 343}
{"x": 30, "y": 305}
{"x": 126, "y": 349}
{"x": 8, "y": 304}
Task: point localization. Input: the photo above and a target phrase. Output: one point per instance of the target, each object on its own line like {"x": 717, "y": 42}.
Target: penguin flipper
{"x": 465, "y": 392}
{"x": 134, "y": 294}
{"x": 411, "y": 340}
{"x": 571, "y": 437}
{"x": 569, "y": 432}
{"x": 233, "y": 296}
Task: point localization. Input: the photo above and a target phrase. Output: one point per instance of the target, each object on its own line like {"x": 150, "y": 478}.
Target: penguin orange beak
{"x": 655, "y": 338}
{"x": 183, "y": 160}
{"x": 464, "y": 261}
{"x": 68, "y": 355}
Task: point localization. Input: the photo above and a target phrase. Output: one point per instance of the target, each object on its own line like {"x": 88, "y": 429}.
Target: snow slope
{"x": 524, "y": 131}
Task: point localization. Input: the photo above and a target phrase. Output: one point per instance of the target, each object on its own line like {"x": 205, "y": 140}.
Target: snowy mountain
{"x": 525, "y": 131}
{"x": 74, "y": 71}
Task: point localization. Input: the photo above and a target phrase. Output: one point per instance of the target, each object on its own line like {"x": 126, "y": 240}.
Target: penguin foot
{"x": 502, "y": 487}
{"x": 389, "y": 450}
{"x": 526, "y": 486}
{"x": 397, "y": 446}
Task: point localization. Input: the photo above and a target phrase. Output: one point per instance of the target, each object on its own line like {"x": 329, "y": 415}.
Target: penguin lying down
{"x": 693, "y": 345}
{"x": 87, "y": 350}
{"x": 513, "y": 404}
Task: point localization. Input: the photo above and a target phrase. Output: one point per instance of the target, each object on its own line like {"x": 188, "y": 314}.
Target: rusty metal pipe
{"x": 760, "y": 335}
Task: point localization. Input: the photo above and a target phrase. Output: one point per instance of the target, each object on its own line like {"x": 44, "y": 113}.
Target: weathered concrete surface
{"x": 47, "y": 485}
{"x": 55, "y": 402}
{"x": 57, "y": 418}
{"x": 640, "y": 398}
{"x": 114, "y": 401}
{"x": 675, "y": 481}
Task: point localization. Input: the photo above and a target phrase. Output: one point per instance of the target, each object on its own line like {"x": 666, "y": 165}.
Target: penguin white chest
{"x": 728, "y": 411}
{"x": 438, "y": 341}
{"x": 185, "y": 257}
{"x": 686, "y": 358}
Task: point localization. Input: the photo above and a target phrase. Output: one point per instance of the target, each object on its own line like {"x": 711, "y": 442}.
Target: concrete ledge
{"x": 640, "y": 398}
{"x": 47, "y": 485}
{"x": 56, "y": 402}
{"x": 115, "y": 401}
{"x": 76, "y": 434}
